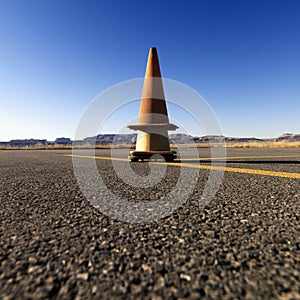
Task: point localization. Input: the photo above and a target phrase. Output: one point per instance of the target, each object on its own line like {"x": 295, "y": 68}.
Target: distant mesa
{"x": 63, "y": 141}
{"x": 289, "y": 137}
{"x": 105, "y": 139}
{"x": 125, "y": 139}
{"x": 24, "y": 143}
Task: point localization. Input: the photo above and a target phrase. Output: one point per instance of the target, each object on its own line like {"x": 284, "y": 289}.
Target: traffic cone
{"x": 153, "y": 122}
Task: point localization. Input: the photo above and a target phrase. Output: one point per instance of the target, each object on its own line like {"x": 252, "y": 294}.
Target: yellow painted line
{"x": 240, "y": 157}
{"x": 98, "y": 157}
{"x": 226, "y": 169}
{"x": 238, "y": 170}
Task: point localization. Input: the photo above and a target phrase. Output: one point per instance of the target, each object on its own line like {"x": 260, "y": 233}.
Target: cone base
{"x": 147, "y": 155}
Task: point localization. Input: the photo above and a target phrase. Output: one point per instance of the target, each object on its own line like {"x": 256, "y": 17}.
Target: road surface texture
{"x": 244, "y": 244}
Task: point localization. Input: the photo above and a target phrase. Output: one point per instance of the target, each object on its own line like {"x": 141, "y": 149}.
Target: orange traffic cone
{"x": 153, "y": 123}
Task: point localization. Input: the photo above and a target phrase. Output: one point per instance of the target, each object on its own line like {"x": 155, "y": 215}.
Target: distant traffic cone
{"x": 153, "y": 123}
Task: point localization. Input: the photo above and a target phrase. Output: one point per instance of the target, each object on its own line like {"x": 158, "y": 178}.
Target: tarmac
{"x": 243, "y": 244}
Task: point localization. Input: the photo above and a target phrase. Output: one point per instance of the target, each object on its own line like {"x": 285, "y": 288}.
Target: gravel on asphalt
{"x": 244, "y": 244}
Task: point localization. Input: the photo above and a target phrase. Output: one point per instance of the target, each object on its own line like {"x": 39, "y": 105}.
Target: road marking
{"x": 98, "y": 157}
{"x": 238, "y": 170}
{"x": 217, "y": 168}
{"x": 239, "y": 157}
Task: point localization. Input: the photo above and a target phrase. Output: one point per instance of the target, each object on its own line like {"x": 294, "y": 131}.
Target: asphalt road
{"x": 244, "y": 244}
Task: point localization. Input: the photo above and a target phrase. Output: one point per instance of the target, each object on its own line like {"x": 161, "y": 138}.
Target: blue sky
{"x": 56, "y": 56}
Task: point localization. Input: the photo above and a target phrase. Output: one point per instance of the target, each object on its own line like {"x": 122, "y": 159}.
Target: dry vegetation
{"x": 281, "y": 144}
{"x": 62, "y": 147}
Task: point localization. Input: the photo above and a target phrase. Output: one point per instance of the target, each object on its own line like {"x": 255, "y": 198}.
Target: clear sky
{"x": 57, "y": 55}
